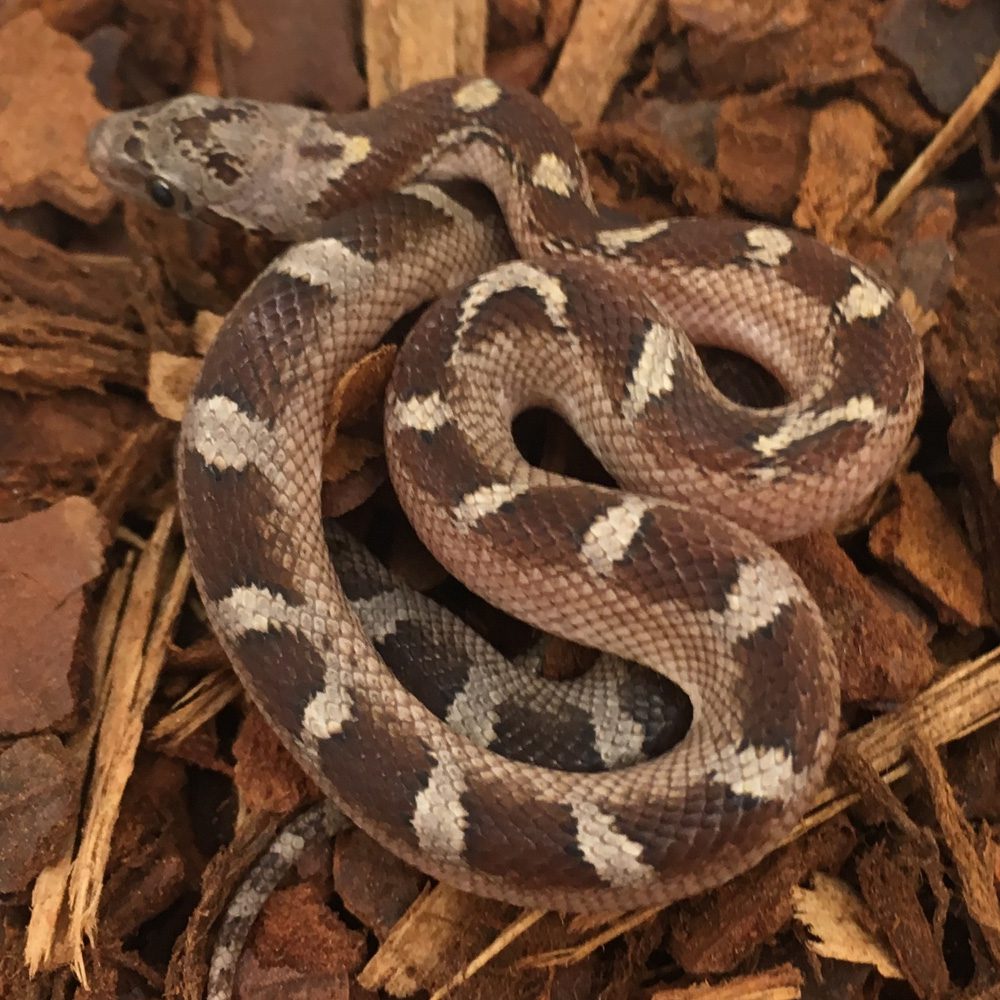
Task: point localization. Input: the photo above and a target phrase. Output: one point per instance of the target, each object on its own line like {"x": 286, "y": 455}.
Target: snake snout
{"x": 99, "y": 147}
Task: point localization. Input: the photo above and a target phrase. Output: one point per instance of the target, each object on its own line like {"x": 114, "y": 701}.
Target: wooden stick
{"x": 921, "y": 168}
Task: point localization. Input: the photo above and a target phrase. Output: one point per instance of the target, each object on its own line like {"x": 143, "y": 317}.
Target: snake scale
{"x": 594, "y": 317}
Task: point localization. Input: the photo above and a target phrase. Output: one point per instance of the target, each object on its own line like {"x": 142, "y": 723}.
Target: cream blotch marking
{"x": 472, "y": 712}
{"x": 486, "y": 500}
{"x": 865, "y": 299}
{"x": 257, "y": 609}
{"x": 768, "y": 246}
{"x": 439, "y": 818}
{"x": 619, "y": 240}
{"x": 761, "y": 590}
{"x": 611, "y": 533}
{"x": 433, "y": 195}
{"x": 653, "y": 374}
{"x": 477, "y": 95}
{"x": 226, "y": 438}
{"x": 328, "y": 264}
{"x": 380, "y": 615}
{"x": 763, "y": 772}
{"x": 507, "y": 277}
{"x": 554, "y": 174}
{"x": 805, "y": 425}
{"x": 354, "y": 149}
{"x": 618, "y": 738}
{"x": 615, "y": 858}
{"x": 422, "y": 413}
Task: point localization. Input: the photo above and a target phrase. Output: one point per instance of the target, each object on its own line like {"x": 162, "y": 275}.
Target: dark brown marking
{"x": 230, "y": 547}
{"x": 385, "y": 766}
{"x": 530, "y": 842}
{"x": 293, "y": 668}
{"x": 224, "y": 166}
{"x": 228, "y": 112}
{"x": 787, "y": 706}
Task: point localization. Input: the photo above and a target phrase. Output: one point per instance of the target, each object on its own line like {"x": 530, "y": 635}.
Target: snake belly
{"x": 598, "y": 321}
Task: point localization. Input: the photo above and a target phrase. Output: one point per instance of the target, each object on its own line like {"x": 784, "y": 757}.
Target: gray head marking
{"x": 201, "y": 157}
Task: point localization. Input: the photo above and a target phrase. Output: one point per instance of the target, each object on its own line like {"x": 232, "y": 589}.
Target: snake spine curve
{"x": 556, "y": 303}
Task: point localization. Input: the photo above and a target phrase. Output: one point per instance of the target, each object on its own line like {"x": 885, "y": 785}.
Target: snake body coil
{"x": 597, "y": 321}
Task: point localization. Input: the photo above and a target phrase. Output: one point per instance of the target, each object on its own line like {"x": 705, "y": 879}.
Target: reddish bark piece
{"x": 763, "y": 147}
{"x": 714, "y": 932}
{"x": 833, "y": 45}
{"x": 890, "y": 881}
{"x": 658, "y": 161}
{"x": 152, "y": 863}
{"x": 963, "y": 344}
{"x": 897, "y": 105}
{"x": 258, "y": 981}
{"x": 691, "y": 125}
{"x": 739, "y": 19}
{"x": 61, "y": 445}
{"x": 922, "y": 258}
{"x": 296, "y": 928}
{"x": 923, "y": 544}
{"x": 47, "y": 107}
{"x": 947, "y": 50}
{"x": 45, "y": 561}
{"x": 974, "y": 852}
{"x": 375, "y": 886}
{"x": 883, "y": 657}
{"x": 520, "y": 65}
{"x": 38, "y": 801}
{"x": 974, "y": 770}
{"x": 301, "y": 51}
{"x": 516, "y": 21}
{"x": 267, "y": 776}
{"x": 89, "y": 286}
{"x": 201, "y": 656}
{"x": 846, "y": 157}
{"x": 77, "y": 17}
{"x": 353, "y": 488}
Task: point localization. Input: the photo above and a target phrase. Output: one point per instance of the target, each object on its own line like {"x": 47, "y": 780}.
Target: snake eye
{"x": 161, "y": 192}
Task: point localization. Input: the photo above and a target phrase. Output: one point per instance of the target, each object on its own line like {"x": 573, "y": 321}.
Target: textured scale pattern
{"x": 598, "y": 321}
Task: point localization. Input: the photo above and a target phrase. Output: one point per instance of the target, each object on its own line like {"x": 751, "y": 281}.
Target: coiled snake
{"x": 597, "y": 320}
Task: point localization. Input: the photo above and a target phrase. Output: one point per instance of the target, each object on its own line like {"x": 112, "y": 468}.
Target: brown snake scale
{"x": 595, "y": 319}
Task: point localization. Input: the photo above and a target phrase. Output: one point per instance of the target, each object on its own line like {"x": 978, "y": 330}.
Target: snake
{"x": 471, "y": 200}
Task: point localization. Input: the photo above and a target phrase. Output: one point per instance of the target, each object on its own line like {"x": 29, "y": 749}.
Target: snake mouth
{"x": 99, "y": 143}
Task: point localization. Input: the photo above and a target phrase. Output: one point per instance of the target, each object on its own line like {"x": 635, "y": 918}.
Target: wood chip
{"x": 408, "y": 42}
{"x": 604, "y": 36}
{"x": 781, "y": 983}
{"x": 171, "y": 379}
{"x": 890, "y": 883}
{"x": 39, "y": 788}
{"x": 715, "y": 932}
{"x": 46, "y": 559}
{"x": 763, "y": 147}
{"x": 846, "y": 158}
{"x": 834, "y": 914}
{"x": 432, "y": 941}
{"x": 44, "y": 91}
{"x": 924, "y": 545}
{"x": 374, "y": 885}
{"x": 883, "y": 658}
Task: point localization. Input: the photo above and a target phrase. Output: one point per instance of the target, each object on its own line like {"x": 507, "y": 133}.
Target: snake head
{"x": 214, "y": 159}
